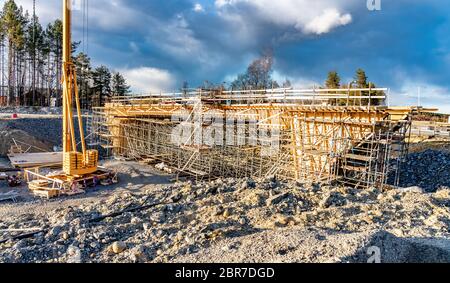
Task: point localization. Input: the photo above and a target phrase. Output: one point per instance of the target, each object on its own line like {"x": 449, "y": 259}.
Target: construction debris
{"x": 57, "y": 183}
{"x": 14, "y": 181}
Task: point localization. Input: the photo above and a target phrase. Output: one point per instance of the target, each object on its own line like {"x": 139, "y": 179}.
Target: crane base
{"x": 55, "y": 185}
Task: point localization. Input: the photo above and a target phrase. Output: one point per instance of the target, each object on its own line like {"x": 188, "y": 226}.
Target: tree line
{"x": 31, "y": 64}
{"x": 361, "y": 80}
{"x": 259, "y": 76}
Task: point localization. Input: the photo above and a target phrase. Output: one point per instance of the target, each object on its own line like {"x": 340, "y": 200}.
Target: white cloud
{"x": 149, "y": 80}
{"x": 177, "y": 39}
{"x": 310, "y": 17}
{"x": 431, "y": 96}
{"x": 296, "y": 82}
{"x": 112, "y": 15}
{"x": 325, "y": 22}
{"x": 106, "y": 14}
{"x": 47, "y": 11}
{"x": 222, "y": 3}
{"x": 199, "y": 8}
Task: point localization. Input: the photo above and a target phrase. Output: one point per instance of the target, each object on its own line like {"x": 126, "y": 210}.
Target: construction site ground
{"x": 236, "y": 220}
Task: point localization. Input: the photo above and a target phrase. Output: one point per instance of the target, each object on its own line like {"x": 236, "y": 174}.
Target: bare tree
{"x": 258, "y": 75}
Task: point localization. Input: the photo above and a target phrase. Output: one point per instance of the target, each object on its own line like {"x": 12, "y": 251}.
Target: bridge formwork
{"x": 306, "y": 135}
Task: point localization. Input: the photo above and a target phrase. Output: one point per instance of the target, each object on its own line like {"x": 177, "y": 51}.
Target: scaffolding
{"x": 310, "y": 135}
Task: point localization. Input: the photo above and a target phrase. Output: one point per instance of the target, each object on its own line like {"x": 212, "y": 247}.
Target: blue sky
{"x": 159, "y": 44}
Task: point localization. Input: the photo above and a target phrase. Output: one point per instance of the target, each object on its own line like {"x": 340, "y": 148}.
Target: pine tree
{"x": 119, "y": 85}
{"x": 377, "y": 101}
{"x": 13, "y": 24}
{"x": 362, "y": 82}
{"x": 287, "y": 84}
{"x": 54, "y": 34}
{"x": 33, "y": 46}
{"x": 333, "y": 81}
{"x": 2, "y": 61}
{"x": 361, "y": 78}
{"x": 84, "y": 76}
{"x": 101, "y": 77}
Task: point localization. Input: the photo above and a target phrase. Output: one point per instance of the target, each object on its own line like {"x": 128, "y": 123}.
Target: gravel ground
{"x": 231, "y": 220}
{"x": 324, "y": 246}
{"x": 130, "y": 182}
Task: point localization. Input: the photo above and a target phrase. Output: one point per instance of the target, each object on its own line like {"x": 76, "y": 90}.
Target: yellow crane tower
{"x": 74, "y": 162}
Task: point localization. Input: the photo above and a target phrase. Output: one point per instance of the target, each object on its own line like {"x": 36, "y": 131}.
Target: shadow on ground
{"x": 391, "y": 249}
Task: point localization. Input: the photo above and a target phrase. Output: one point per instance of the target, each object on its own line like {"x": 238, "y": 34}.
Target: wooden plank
{"x": 354, "y": 168}
{"x": 358, "y": 157}
{"x": 46, "y": 193}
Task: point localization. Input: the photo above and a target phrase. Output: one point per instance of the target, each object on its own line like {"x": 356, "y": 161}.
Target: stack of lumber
{"x": 28, "y": 160}
{"x": 41, "y": 188}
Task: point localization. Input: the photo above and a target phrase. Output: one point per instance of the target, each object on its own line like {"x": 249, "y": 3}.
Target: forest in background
{"x": 31, "y": 63}
{"x": 259, "y": 75}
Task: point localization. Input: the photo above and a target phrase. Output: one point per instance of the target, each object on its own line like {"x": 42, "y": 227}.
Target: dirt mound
{"x": 8, "y": 135}
{"x": 325, "y": 246}
{"x": 394, "y": 249}
{"x": 43, "y": 132}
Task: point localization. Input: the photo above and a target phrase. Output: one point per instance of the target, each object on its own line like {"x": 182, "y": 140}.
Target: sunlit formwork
{"x": 306, "y": 135}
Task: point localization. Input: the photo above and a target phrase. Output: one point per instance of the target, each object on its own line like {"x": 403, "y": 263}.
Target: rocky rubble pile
{"x": 189, "y": 217}
{"x": 429, "y": 170}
